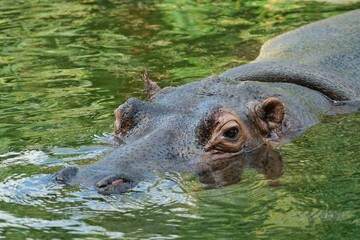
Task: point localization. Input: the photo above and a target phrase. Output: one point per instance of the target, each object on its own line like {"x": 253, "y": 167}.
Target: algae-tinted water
{"x": 65, "y": 65}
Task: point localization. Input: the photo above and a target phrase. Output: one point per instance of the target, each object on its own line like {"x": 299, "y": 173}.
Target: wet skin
{"x": 218, "y": 126}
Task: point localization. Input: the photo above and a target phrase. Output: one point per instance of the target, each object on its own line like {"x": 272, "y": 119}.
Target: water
{"x": 65, "y": 65}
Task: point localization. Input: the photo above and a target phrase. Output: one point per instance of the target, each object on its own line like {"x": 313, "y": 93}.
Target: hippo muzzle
{"x": 105, "y": 182}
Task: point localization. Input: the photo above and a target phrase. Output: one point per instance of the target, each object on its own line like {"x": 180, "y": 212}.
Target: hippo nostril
{"x": 66, "y": 175}
{"x": 111, "y": 181}
{"x": 113, "y": 184}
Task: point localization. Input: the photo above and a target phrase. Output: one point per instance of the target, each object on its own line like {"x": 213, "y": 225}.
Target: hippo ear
{"x": 151, "y": 87}
{"x": 269, "y": 115}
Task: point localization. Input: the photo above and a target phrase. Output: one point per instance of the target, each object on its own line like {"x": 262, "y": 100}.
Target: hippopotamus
{"x": 215, "y": 127}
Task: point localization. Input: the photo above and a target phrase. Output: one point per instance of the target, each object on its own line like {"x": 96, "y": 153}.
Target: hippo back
{"x": 324, "y": 56}
{"x": 332, "y": 44}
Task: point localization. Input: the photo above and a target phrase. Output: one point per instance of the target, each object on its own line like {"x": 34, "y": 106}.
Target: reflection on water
{"x": 64, "y": 65}
{"x": 226, "y": 171}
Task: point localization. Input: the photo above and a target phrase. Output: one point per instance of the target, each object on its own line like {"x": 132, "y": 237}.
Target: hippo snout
{"x": 105, "y": 184}
{"x": 113, "y": 184}
{"x": 66, "y": 175}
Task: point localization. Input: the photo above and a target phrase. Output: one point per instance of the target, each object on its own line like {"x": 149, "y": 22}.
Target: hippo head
{"x": 214, "y": 142}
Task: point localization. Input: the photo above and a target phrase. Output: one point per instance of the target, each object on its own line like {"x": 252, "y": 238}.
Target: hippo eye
{"x": 232, "y": 133}
{"x": 222, "y": 132}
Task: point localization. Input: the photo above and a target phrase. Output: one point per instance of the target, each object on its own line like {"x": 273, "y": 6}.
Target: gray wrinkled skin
{"x": 313, "y": 70}
{"x": 324, "y": 56}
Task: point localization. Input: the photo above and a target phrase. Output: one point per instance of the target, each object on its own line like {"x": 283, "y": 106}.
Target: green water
{"x": 65, "y": 65}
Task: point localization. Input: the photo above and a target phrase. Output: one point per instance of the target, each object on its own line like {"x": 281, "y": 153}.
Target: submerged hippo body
{"x": 219, "y": 125}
